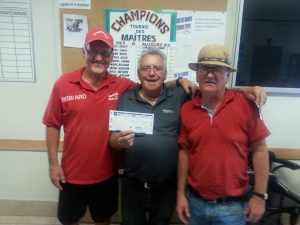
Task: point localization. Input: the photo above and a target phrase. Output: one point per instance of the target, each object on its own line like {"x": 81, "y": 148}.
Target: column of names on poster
{"x": 136, "y": 30}
{"x": 16, "y": 45}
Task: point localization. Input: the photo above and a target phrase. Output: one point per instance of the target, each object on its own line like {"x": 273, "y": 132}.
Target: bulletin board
{"x": 71, "y": 58}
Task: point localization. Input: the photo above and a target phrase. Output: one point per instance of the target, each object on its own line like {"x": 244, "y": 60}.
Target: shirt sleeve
{"x": 183, "y": 134}
{"x": 182, "y": 96}
{"x": 53, "y": 112}
{"x": 257, "y": 128}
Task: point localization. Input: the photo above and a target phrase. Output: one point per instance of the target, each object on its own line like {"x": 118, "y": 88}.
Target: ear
{"x": 165, "y": 75}
{"x": 197, "y": 77}
{"x": 138, "y": 74}
{"x": 111, "y": 57}
{"x": 228, "y": 74}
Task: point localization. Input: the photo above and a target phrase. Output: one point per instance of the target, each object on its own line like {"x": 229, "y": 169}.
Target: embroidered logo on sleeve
{"x": 168, "y": 111}
{"x": 113, "y": 97}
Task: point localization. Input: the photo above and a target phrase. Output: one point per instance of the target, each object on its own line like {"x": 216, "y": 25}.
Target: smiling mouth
{"x": 99, "y": 62}
{"x": 209, "y": 82}
{"x": 151, "y": 81}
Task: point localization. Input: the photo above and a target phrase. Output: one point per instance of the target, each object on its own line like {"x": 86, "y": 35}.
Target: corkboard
{"x": 71, "y": 58}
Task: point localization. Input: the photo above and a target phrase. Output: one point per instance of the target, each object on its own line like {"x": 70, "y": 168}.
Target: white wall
{"x": 282, "y": 116}
{"x": 22, "y": 104}
{"x": 24, "y": 175}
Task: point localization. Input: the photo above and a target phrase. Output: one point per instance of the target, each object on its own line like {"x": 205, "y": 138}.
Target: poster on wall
{"x": 16, "y": 42}
{"x": 136, "y": 30}
{"x": 194, "y": 29}
{"x": 75, "y": 4}
{"x": 75, "y": 28}
{"x": 179, "y": 34}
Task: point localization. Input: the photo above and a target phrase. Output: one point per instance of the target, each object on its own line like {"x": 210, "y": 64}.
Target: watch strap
{"x": 260, "y": 195}
{"x": 178, "y": 81}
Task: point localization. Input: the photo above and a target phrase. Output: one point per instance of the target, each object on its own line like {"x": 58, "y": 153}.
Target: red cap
{"x": 99, "y": 35}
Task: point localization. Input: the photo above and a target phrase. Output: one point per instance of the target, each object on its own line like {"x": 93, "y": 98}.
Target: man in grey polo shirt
{"x": 149, "y": 182}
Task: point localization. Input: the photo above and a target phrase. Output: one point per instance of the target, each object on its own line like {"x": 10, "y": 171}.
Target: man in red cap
{"x": 80, "y": 102}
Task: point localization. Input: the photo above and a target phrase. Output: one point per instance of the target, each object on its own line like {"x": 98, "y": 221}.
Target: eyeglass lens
{"x": 212, "y": 69}
{"x": 105, "y": 52}
{"x": 147, "y": 69}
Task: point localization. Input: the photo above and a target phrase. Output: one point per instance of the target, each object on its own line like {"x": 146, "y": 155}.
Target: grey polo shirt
{"x": 153, "y": 158}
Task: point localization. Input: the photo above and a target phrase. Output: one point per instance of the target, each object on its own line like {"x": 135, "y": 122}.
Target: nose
{"x": 152, "y": 70}
{"x": 98, "y": 56}
{"x": 210, "y": 72}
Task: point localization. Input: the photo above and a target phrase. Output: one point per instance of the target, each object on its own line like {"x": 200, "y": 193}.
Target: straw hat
{"x": 213, "y": 54}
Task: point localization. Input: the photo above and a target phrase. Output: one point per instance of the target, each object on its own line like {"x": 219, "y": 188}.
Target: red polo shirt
{"x": 84, "y": 115}
{"x": 218, "y": 146}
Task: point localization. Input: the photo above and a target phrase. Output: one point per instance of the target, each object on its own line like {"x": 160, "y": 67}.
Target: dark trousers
{"x": 147, "y": 204}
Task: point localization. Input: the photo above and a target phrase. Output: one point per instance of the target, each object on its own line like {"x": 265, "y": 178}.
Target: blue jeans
{"x": 142, "y": 206}
{"x": 208, "y": 213}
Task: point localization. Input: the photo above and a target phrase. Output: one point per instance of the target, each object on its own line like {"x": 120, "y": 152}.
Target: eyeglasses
{"x": 104, "y": 52}
{"x": 217, "y": 70}
{"x": 147, "y": 69}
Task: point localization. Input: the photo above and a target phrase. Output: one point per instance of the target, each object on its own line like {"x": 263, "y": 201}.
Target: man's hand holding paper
{"x": 122, "y": 139}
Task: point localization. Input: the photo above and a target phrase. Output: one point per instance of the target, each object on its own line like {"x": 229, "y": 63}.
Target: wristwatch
{"x": 261, "y": 195}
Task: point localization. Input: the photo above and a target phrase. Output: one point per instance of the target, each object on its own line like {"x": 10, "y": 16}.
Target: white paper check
{"x": 124, "y": 120}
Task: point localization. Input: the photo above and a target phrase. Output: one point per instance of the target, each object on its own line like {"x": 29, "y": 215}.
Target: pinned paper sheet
{"x": 124, "y": 120}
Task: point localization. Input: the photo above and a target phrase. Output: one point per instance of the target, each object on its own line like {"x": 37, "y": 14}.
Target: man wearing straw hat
{"x": 218, "y": 127}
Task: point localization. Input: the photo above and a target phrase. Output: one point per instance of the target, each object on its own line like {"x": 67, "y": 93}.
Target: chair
{"x": 279, "y": 194}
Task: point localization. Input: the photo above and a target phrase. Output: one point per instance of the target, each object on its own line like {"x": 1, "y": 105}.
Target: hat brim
{"x": 97, "y": 39}
{"x": 194, "y": 66}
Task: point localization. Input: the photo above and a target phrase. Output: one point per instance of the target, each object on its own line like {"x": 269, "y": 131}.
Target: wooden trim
{"x": 33, "y": 145}
{"x": 23, "y": 145}
{"x": 287, "y": 153}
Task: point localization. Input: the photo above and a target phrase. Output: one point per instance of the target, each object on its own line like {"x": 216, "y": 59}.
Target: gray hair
{"x": 153, "y": 51}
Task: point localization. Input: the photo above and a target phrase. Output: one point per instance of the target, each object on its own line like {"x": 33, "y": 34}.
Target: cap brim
{"x": 194, "y": 66}
{"x": 106, "y": 42}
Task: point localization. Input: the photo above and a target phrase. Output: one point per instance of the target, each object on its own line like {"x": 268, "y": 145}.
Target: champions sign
{"x": 136, "y": 30}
